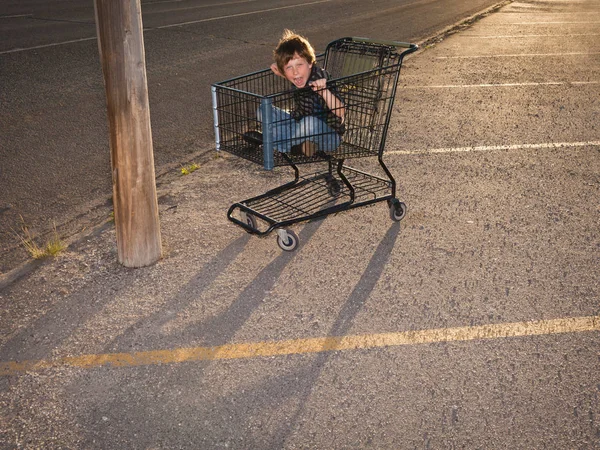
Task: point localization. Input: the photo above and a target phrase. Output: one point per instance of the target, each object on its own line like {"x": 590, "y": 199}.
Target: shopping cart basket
{"x": 364, "y": 75}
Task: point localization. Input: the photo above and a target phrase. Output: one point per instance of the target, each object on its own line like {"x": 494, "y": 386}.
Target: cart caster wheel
{"x": 249, "y": 219}
{"x": 287, "y": 240}
{"x": 334, "y": 188}
{"x": 397, "y": 210}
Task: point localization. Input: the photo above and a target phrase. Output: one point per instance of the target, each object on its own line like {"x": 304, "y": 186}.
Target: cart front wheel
{"x": 334, "y": 188}
{"x": 397, "y": 210}
{"x": 249, "y": 219}
{"x": 287, "y": 240}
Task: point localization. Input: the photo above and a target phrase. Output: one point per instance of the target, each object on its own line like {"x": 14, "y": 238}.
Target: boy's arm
{"x": 333, "y": 103}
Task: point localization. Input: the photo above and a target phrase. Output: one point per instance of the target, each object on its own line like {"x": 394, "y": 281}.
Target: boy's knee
{"x": 310, "y": 125}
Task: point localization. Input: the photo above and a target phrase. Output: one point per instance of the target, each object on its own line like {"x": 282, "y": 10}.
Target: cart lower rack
{"x": 364, "y": 76}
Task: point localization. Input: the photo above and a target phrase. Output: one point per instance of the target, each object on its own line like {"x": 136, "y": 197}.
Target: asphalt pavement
{"x": 472, "y": 323}
{"x": 55, "y": 165}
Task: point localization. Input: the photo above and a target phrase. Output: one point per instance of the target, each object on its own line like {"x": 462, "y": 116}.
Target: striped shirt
{"x": 308, "y": 103}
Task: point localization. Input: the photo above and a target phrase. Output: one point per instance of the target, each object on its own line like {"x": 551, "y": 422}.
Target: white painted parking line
{"x": 212, "y": 5}
{"x": 489, "y": 148}
{"x": 486, "y": 85}
{"x": 161, "y": 1}
{"x": 230, "y": 16}
{"x": 16, "y": 16}
{"x": 511, "y": 36}
{"x": 54, "y": 44}
{"x": 518, "y": 55}
{"x": 549, "y": 23}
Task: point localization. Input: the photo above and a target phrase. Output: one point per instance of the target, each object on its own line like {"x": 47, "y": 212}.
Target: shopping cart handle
{"x": 413, "y": 47}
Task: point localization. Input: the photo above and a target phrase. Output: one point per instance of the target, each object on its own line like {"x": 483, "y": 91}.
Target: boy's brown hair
{"x": 290, "y": 44}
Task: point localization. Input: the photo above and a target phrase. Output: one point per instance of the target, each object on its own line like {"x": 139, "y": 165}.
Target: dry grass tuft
{"x": 51, "y": 248}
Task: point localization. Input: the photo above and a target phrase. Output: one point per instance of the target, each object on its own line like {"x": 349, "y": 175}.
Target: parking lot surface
{"x": 473, "y": 323}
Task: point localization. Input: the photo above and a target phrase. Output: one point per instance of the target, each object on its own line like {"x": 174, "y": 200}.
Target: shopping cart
{"x": 364, "y": 75}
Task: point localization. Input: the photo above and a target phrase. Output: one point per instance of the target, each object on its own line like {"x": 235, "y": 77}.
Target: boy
{"x": 318, "y": 113}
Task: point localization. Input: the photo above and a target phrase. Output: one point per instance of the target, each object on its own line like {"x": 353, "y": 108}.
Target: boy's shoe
{"x": 309, "y": 148}
{"x": 296, "y": 150}
{"x": 253, "y": 137}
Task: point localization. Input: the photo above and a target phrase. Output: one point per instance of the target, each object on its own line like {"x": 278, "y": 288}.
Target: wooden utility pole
{"x": 121, "y": 46}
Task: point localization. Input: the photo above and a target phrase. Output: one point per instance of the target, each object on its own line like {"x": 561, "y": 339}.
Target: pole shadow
{"x": 37, "y": 340}
{"x": 137, "y": 334}
{"x": 221, "y": 329}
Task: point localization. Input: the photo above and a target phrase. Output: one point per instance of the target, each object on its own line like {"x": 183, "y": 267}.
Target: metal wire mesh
{"x": 318, "y": 194}
{"x": 364, "y": 78}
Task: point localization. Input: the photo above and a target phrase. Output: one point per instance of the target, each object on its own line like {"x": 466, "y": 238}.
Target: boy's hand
{"x": 319, "y": 85}
{"x": 333, "y": 103}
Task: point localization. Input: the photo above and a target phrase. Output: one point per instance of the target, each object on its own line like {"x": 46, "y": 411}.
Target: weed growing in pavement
{"x": 189, "y": 169}
{"x": 52, "y": 247}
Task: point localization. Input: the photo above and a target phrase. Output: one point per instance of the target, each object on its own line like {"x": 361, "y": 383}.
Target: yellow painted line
{"x": 312, "y": 345}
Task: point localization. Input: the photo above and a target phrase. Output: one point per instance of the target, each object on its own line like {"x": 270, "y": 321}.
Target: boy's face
{"x": 297, "y": 70}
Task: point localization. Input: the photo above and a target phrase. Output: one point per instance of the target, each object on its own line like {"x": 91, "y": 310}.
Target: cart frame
{"x": 367, "y": 72}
